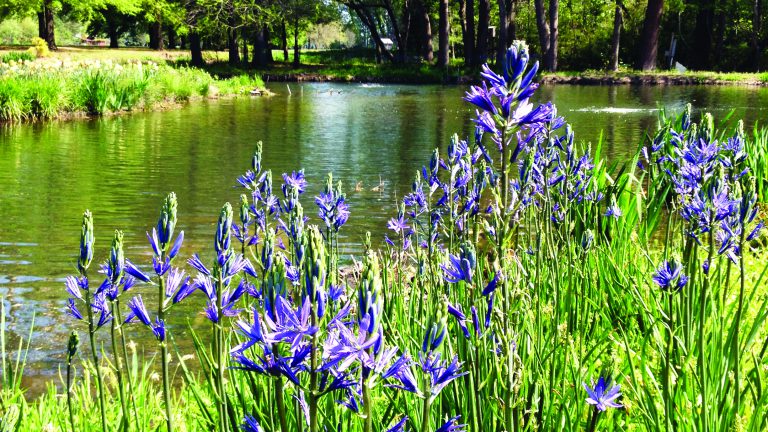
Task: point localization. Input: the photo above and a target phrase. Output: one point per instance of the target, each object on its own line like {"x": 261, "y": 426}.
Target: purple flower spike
{"x": 670, "y": 276}
{"x": 73, "y": 311}
{"x": 457, "y": 269}
{"x": 134, "y": 271}
{"x": 138, "y": 311}
{"x": 399, "y": 426}
{"x": 251, "y": 425}
{"x": 452, "y": 425}
{"x": 158, "y": 328}
{"x": 600, "y": 396}
{"x": 481, "y": 97}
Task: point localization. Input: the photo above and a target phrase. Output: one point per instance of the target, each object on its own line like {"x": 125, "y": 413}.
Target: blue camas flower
{"x": 457, "y": 269}
{"x": 251, "y": 425}
{"x": 670, "y": 276}
{"x": 294, "y": 181}
{"x": 399, "y": 426}
{"x": 601, "y": 396}
{"x": 452, "y": 425}
{"x": 139, "y": 312}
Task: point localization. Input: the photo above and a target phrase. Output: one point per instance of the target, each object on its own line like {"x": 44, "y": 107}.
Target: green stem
{"x": 367, "y": 405}
{"x": 425, "y": 414}
{"x": 69, "y": 393}
{"x": 668, "y": 367}
{"x": 219, "y": 341}
{"x": 739, "y": 310}
{"x": 279, "y": 399}
{"x": 95, "y": 355}
{"x": 119, "y": 371}
{"x": 593, "y": 421}
{"x": 164, "y": 355}
{"x": 131, "y": 397}
{"x": 702, "y": 327}
{"x": 313, "y": 376}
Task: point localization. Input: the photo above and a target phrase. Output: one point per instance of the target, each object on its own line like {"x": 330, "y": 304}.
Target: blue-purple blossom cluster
{"x": 714, "y": 189}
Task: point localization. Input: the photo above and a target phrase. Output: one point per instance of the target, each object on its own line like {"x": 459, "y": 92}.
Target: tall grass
{"x": 49, "y": 89}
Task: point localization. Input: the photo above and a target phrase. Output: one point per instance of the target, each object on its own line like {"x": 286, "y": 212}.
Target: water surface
{"x": 369, "y": 136}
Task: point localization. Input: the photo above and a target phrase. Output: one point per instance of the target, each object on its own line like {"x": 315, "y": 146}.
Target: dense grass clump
{"x": 523, "y": 285}
{"x": 16, "y": 57}
{"x": 46, "y": 89}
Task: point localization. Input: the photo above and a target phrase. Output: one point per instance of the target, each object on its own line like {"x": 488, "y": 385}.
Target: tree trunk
{"x": 193, "y": 37}
{"x": 649, "y": 38}
{"x": 423, "y": 35}
{"x": 543, "y": 27}
{"x": 245, "y": 48}
{"x": 701, "y": 57}
{"x": 483, "y": 22}
{"x": 42, "y": 29}
{"x": 721, "y": 19}
{"x": 399, "y": 35}
{"x": 757, "y": 24}
{"x": 259, "y": 58}
{"x": 45, "y": 24}
{"x": 296, "y": 48}
{"x": 195, "y": 49}
{"x": 114, "y": 35}
{"x": 370, "y": 24}
{"x": 284, "y": 40}
{"x": 444, "y": 34}
{"x": 171, "y": 38}
{"x": 506, "y": 31}
{"x": 232, "y": 46}
{"x": 156, "y": 35}
{"x": 616, "y": 38}
{"x": 267, "y": 48}
{"x": 553, "y": 35}
{"x": 469, "y": 37}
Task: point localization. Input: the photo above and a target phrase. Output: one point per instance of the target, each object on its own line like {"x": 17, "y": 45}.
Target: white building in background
{"x": 388, "y": 44}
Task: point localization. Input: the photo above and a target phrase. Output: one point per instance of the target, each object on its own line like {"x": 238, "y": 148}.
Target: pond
{"x": 372, "y": 137}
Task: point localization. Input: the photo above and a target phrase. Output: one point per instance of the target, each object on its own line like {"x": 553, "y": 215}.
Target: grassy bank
{"x": 359, "y": 65}
{"x": 656, "y": 78}
{"x": 53, "y": 88}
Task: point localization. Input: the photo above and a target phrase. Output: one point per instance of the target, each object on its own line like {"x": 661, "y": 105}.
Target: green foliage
{"x": 17, "y": 56}
{"x": 46, "y": 90}
{"x": 39, "y": 47}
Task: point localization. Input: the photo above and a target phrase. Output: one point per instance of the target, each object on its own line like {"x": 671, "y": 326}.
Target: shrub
{"x": 39, "y": 47}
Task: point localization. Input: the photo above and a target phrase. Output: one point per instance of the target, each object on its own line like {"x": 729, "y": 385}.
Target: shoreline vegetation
{"x": 75, "y": 86}
{"x": 86, "y": 82}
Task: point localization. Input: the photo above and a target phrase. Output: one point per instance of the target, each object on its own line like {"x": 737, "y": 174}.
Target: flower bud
{"x": 314, "y": 270}
{"x": 167, "y": 221}
{"x": 268, "y": 250}
{"x": 245, "y": 212}
{"x": 256, "y": 162}
{"x": 86, "y": 242}
{"x": 370, "y": 302}
{"x": 116, "y": 258}
{"x": 74, "y": 341}
{"x": 223, "y": 230}
{"x": 586, "y": 240}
